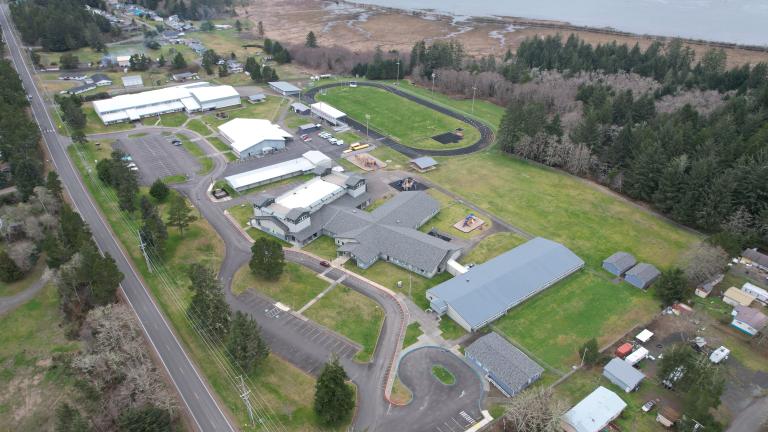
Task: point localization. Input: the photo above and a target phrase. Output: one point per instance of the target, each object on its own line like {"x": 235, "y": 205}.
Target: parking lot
{"x": 156, "y": 157}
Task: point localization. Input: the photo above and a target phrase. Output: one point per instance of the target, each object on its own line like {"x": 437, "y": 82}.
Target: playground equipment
{"x": 407, "y": 183}
{"x": 367, "y": 161}
{"x": 469, "y": 223}
{"x": 470, "y": 220}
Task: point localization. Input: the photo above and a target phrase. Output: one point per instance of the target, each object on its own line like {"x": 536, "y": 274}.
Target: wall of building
{"x": 258, "y": 149}
{"x": 222, "y": 103}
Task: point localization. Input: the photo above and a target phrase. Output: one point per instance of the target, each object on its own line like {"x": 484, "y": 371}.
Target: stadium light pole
{"x": 397, "y": 78}
{"x": 434, "y": 75}
{"x": 474, "y": 89}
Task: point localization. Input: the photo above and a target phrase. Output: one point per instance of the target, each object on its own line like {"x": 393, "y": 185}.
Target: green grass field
{"x": 175, "y": 179}
{"x": 451, "y": 330}
{"x": 406, "y": 121}
{"x": 295, "y": 287}
{"x": 492, "y": 246}
{"x": 241, "y": 212}
{"x": 412, "y": 333}
{"x": 198, "y": 126}
{"x": 443, "y": 375}
{"x": 451, "y": 212}
{"x": 351, "y": 314}
{"x": 323, "y": 246}
{"x": 218, "y": 143}
{"x": 268, "y": 109}
{"x": 94, "y": 125}
{"x": 389, "y": 275}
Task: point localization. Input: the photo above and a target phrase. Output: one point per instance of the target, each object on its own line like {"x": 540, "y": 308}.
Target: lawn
{"x": 553, "y": 324}
{"x": 281, "y": 386}
{"x": 407, "y": 122}
{"x": 293, "y": 121}
{"x": 218, "y": 143}
{"x": 228, "y": 41}
{"x": 29, "y": 337}
{"x": 451, "y": 330}
{"x": 175, "y": 179}
{"x": 351, "y": 314}
{"x": 443, "y": 375}
{"x": 173, "y": 119}
{"x": 241, "y": 213}
{"x": 196, "y": 125}
{"x": 265, "y": 110}
{"x": 206, "y": 163}
{"x": 394, "y": 159}
{"x": 138, "y": 135}
{"x": 388, "y": 275}
{"x": 323, "y": 246}
{"x": 492, "y": 246}
{"x": 412, "y": 333}
{"x": 451, "y": 211}
{"x": 295, "y": 287}
{"x": 401, "y": 394}
{"x": 94, "y": 125}
{"x": 84, "y": 55}
{"x": 348, "y": 137}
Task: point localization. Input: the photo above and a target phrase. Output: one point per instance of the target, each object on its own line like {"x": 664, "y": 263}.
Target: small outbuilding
{"x": 594, "y": 412}
{"x": 284, "y": 88}
{"x": 309, "y": 127}
{"x": 642, "y": 275}
{"x": 132, "y": 81}
{"x": 667, "y": 416}
{"x": 624, "y": 350}
{"x": 618, "y": 263}
{"x": 503, "y": 364}
{"x": 644, "y": 336}
{"x": 101, "y": 80}
{"x": 736, "y": 297}
{"x": 300, "y": 108}
{"x": 257, "y": 98}
{"x": 424, "y": 163}
{"x": 623, "y": 375}
{"x": 748, "y": 320}
{"x": 704, "y": 289}
{"x": 184, "y": 76}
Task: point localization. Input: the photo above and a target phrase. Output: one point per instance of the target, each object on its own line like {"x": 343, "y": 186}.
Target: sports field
{"x": 405, "y": 121}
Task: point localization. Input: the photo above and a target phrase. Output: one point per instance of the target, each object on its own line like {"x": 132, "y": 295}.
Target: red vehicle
{"x": 325, "y": 263}
{"x": 306, "y": 138}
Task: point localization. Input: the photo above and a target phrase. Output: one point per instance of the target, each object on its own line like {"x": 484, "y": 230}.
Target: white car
{"x": 339, "y": 142}
{"x": 325, "y": 135}
{"x": 333, "y": 141}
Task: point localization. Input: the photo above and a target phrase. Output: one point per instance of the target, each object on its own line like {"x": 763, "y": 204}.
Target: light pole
{"x": 367, "y": 117}
{"x": 397, "y": 78}
{"x": 474, "y": 89}
{"x": 434, "y": 75}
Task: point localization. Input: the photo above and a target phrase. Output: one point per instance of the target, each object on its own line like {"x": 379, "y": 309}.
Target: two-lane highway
{"x": 201, "y": 405}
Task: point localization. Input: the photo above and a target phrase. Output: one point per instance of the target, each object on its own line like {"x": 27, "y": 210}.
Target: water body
{"x": 736, "y": 21}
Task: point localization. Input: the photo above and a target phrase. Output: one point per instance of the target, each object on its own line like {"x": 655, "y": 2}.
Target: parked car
{"x": 176, "y": 142}
{"x": 648, "y": 406}
{"x": 306, "y": 138}
{"x": 333, "y": 141}
{"x": 339, "y": 142}
{"x": 324, "y": 135}
{"x": 325, "y": 263}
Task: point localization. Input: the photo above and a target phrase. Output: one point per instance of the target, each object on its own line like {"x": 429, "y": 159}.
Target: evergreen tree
{"x": 9, "y": 271}
{"x": 159, "y": 190}
{"x": 126, "y": 195}
{"x": 589, "y": 352}
{"x": 147, "y": 418}
{"x": 245, "y": 344}
{"x": 153, "y": 231}
{"x": 260, "y": 29}
{"x": 334, "y": 398}
{"x": 179, "y": 214}
{"x": 69, "y": 419}
{"x": 238, "y": 26}
{"x": 267, "y": 258}
{"x": 207, "y": 26}
{"x": 672, "y": 287}
{"x": 223, "y": 71}
{"x": 179, "y": 62}
{"x": 53, "y": 184}
{"x": 208, "y": 306}
{"x": 311, "y": 41}
{"x": 69, "y": 61}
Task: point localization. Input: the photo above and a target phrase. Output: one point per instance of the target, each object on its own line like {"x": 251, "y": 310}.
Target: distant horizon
{"x": 731, "y": 21}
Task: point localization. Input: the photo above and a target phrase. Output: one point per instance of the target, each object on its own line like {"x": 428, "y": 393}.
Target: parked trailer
{"x": 636, "y": 356}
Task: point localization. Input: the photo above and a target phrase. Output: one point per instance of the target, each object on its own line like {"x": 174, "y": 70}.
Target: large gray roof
{"x": 504, "y": 360}
{"x": 424, "y": 162}
{"x": 284, "y": 86}
{"x": 595, "y": 411}
{"x": 488, "y": 290}
{"x": 644, "y": 272}
{"x": 624, "y": 372}
{"x": 756, "y": 256}
{"x": 622, "y": 260}
{"x": 756, "y": 319}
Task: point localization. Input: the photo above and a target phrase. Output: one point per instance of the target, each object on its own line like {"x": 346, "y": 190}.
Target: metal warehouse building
{"x": 307, "y": 163}
{"x": 284, "y": 88}
{"x": 505, "y": 366}
{"x": 642, "y": 275}
{"x": 327, "y": 113}
{"x": 623, "y": 374}
{"x": 489, "y": 290}
{"x": 189, "y": 97}
{"x": 618, "y": 263}
{"x": 251, "y": 137}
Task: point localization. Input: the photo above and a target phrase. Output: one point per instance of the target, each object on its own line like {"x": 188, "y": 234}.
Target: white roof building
{"x": 132, "y": 81}
{"x": 188, "y": 97}
{"x": 327, "y": 112}
{"x": 249, "y": 137}
{"x": 594, "y": 412}
{"x": 308, "y": 162}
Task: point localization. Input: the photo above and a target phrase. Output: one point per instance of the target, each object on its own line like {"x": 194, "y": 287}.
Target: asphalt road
{"x": 201, "y": 406}
{"x": 486, "y": 134}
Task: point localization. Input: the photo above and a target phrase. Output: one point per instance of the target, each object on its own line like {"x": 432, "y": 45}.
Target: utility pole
{"x": 433, "y": 84}
{"x": 397, "y": 78}
{"x": 474, "y": 89}
{"x": 245, "y": 397}
{"x": 143, "y": 247}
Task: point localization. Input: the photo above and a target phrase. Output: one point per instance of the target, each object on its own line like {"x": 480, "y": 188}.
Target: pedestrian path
{"x": 322, "y": 294}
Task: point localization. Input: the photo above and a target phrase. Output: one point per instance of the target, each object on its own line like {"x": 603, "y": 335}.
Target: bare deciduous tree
{"x": 535, "y": 410}
{"x": 704, "y": 262}
{"x": 22, "y": 253}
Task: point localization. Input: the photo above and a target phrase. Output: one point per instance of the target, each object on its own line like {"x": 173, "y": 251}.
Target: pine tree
{"x": 589, "y": 352}
{"x": 334, "y": 398}
{"x": 245, "y": 344}
{"x": 672, "y": 287}
{"x": 311, "y": 41}
{"x": 69, "y": 419}
{"x": 267, "y": 258}
{"x": 161, "y": 61}
{"x": 144, "y": 419}
{"x": 223, "y": 71}
{"x": 260, "y": 29}
{"x": 179, "y": 62}
{"x": 53, "y": 184}
{"x": 238, "y": 26}
{"x": 179, "y": 214}
{"x": 208, "y": 306}
{"x": 159, "y": 190}
{"x": 9, "y": 271}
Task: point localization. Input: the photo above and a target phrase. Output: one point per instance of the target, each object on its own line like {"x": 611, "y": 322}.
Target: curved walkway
{"x": 486, "y": 134}
{"x": 9, "y": 303}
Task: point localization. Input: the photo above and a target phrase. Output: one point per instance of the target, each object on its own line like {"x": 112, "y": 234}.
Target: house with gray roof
{"x": 332, "y": 205}
{"x": 503, "y": 364}
{"x": 618, "y": 263}
{"x": 642, "y": 275}
{"x": 623, "y": 374}
{"x": 487, "y": 291}
{"x": 748, "y": 320}
{"x": 101, "y": 80}
{"x": 81, "y": 89}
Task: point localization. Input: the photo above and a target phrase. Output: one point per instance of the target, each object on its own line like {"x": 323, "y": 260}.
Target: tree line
{"x": 61, "y": 25}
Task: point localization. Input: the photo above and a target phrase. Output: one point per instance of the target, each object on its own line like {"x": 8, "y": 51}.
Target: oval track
{"x": 486, "y": 134}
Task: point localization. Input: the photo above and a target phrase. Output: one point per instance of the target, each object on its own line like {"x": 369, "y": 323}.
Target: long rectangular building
{"x": 489, "y": 290}
{"x": 189, "y": 97}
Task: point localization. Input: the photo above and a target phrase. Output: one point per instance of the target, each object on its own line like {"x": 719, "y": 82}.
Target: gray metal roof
{"x": 488, "y": 290}
{"x": 622, "y": 260}
{"x": 298, "y": 106}
{"x": 284, "y": 86}
{"x": 756, "y": 256}
{"x": 595, "y": 411}
{"x": 504, "y": 360}
{"x": 353, "y": 179}
{"x": 644, "y": 272}
{"x": 263, "y": 200}
{"x": 624, "y": 372}
{"x": 257, "y": 96}
{"x": 294, "y": 213}
{"x": 100, "y": 77}
{"x": 424, "y": 162}
{"x": 756, "y": 319}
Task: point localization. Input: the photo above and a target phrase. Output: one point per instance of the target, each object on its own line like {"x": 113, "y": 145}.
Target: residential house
{"x": 503, "y": 364}
{"x": 748, "y": 320}
{"x": 623, "y": 374}
{"x": 594, "y": 412}
{"x": 736, "y": 297}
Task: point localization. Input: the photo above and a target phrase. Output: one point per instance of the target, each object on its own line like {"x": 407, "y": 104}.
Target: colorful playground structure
{"x": 469, "y": 223}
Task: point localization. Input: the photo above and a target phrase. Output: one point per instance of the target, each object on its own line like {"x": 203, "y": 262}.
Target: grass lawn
{"x": 231, "y": 157}
{"x": 268, "y": 109}
{"x": 412, "y": 333}
{"x": 242, "y": 213}
{"x": 293, "y": 120}
{"x": 295, "y": 287}
{"x": 175, "y": 179}
{"x": 94, "y": 125}
{"x": 13, "y": 288}
{"x": 198, "y": 126}
{"x": 443, "y": 375}
{"x": 348, "y": 166}
{"x": 351, "y": 314}
{"x": 323, "y": 246}
{"x": 173, "y": 119}
{"x": 138, "y": 135}
{"x": 450, "y": 329}
{"x": 406, "y": 121}
{"x": 492, "y": 246}
{"x": 584, "y": 305}
{"x": 451, "y": 211}
{"x": 229, "y": 41}
{"x": 400, "y": 393}
{"x": 84, "y": 55}
{"x": 348, "y": 137}
{"x": 388, "y": 274}
{"x": 394, "y": 159}
{"x": 29, "y": 336}
{"x": 206, "y": 163}
{"x": 280, "y": 385}
{"x": 218, "y": 143}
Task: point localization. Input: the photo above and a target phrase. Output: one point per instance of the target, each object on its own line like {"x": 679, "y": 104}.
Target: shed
{"x": 736, "y": 297}
{"x": 748, "y": 320}
{"x": 183, "y": 76}
{"x": 284, "y": 88}
{"x": 309, "y": 127}
{"x": 132, "y": 81}
{"x": 667, "y": 416}
{"x": 594, "y": 412}
{"x": 257, "y": 98}
{"x": 642, "y": 275}
{"x": 623, "y": 374}
{"x": 704, "y": 289}
{"x": 123, "y": 61}
{"x": 644, "y": 336}
{"x": 505, "y": 366}
{"x": 760, "y": 294}
{"x": 424, "y": 163}
{"x": 618, "y": 263}
{"x": 300, "y": 108}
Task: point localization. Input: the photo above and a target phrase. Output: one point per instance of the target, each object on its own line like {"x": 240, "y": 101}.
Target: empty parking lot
{"x": 156, "y": 157}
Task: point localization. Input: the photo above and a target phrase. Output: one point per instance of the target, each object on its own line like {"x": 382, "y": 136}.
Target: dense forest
{"x": 187, "y": 9}
{"x": 61, "y": 25}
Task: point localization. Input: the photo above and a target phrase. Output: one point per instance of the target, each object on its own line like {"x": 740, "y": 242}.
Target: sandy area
{"x": 365, "y": 27}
